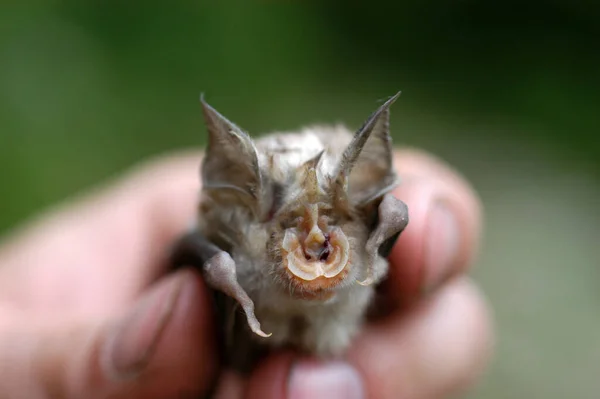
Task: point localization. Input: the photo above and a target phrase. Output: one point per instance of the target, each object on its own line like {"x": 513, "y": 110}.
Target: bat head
{"x": 307, "y": 218}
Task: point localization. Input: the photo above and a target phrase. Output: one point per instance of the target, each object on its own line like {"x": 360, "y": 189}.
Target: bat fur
{"x": 292, "y": 234}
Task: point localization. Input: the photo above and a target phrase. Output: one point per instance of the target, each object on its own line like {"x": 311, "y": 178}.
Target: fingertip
{"x": 160, "y": 346}
{"x": 231, "y": 385}
{"x": 407, "y": 256}
{"x": 442, "y": 237}
{"x": 270, "y": 379}
{"x": 295, "y": 376}
{"x": 188, "y": 352}
{"x": 416, "y": 164}
{"x": 161, "y": 356}
{"x": 331, "y": 379}
{"x": 438, "y": 349}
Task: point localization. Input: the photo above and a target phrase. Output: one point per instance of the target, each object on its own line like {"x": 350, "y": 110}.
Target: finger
{"x": 437, "y": 351}
{"x": 230, "y": 386}
{"x": 161, "y": 347}
{"x": 125, "y": 227}
{"x": 270, "y": 379}
{"x": 442, "y": 237}
{"x": 138, "y": 217}
{"x": 286, "y": 376}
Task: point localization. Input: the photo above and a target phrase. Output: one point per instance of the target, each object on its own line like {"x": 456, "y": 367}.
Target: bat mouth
{"x": 315, "y": 256}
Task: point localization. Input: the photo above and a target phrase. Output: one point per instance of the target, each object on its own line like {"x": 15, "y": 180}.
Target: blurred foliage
{"x": 89, "y": 88}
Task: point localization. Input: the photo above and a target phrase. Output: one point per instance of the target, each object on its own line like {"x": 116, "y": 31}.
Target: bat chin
{"x": 316, "y": 296}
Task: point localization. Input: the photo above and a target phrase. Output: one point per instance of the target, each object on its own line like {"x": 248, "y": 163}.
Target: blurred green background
{"x": 507, "y": 92}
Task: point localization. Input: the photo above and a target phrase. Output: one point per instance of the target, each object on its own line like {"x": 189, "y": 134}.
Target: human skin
{"x": 88, "y": 310}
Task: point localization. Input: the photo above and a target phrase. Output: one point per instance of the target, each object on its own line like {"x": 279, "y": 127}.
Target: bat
{"x": 292, "y": 233}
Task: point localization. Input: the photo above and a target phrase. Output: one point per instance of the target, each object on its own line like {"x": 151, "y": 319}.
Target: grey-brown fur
{"x": 253, "y": 190}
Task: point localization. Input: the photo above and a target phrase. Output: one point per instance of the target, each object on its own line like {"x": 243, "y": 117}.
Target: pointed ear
{"x": 366, "y": 168}
{"x": 231, "y": 160}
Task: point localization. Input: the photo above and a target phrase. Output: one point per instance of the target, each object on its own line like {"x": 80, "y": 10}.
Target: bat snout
{"x": 315, "y": 264}
{"x": 318, "y": 252}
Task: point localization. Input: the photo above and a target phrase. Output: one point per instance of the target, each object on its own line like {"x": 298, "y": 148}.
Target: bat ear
{"x": 366, "y": 168}
{"x": 231, "y": 160}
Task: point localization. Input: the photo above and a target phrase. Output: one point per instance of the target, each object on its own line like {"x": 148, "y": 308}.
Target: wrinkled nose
{"x": 320, "y": 254}
{"x": 316, "y": 245}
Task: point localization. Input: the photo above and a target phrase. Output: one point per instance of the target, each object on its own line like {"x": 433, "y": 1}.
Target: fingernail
{"x": 329, "y": 380}
{"x": 135, "y": 340}
{"x": 442, "y": 246}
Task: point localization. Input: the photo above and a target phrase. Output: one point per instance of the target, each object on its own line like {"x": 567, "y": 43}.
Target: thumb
{"x": 161, "y": 347}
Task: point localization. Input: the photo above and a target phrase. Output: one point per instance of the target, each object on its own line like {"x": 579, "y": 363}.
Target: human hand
{"x": 87, "y": 311}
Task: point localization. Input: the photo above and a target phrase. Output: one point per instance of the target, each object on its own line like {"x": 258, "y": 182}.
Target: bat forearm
{"x": 193, "y": 249}
{"x": 218, "y": 269}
